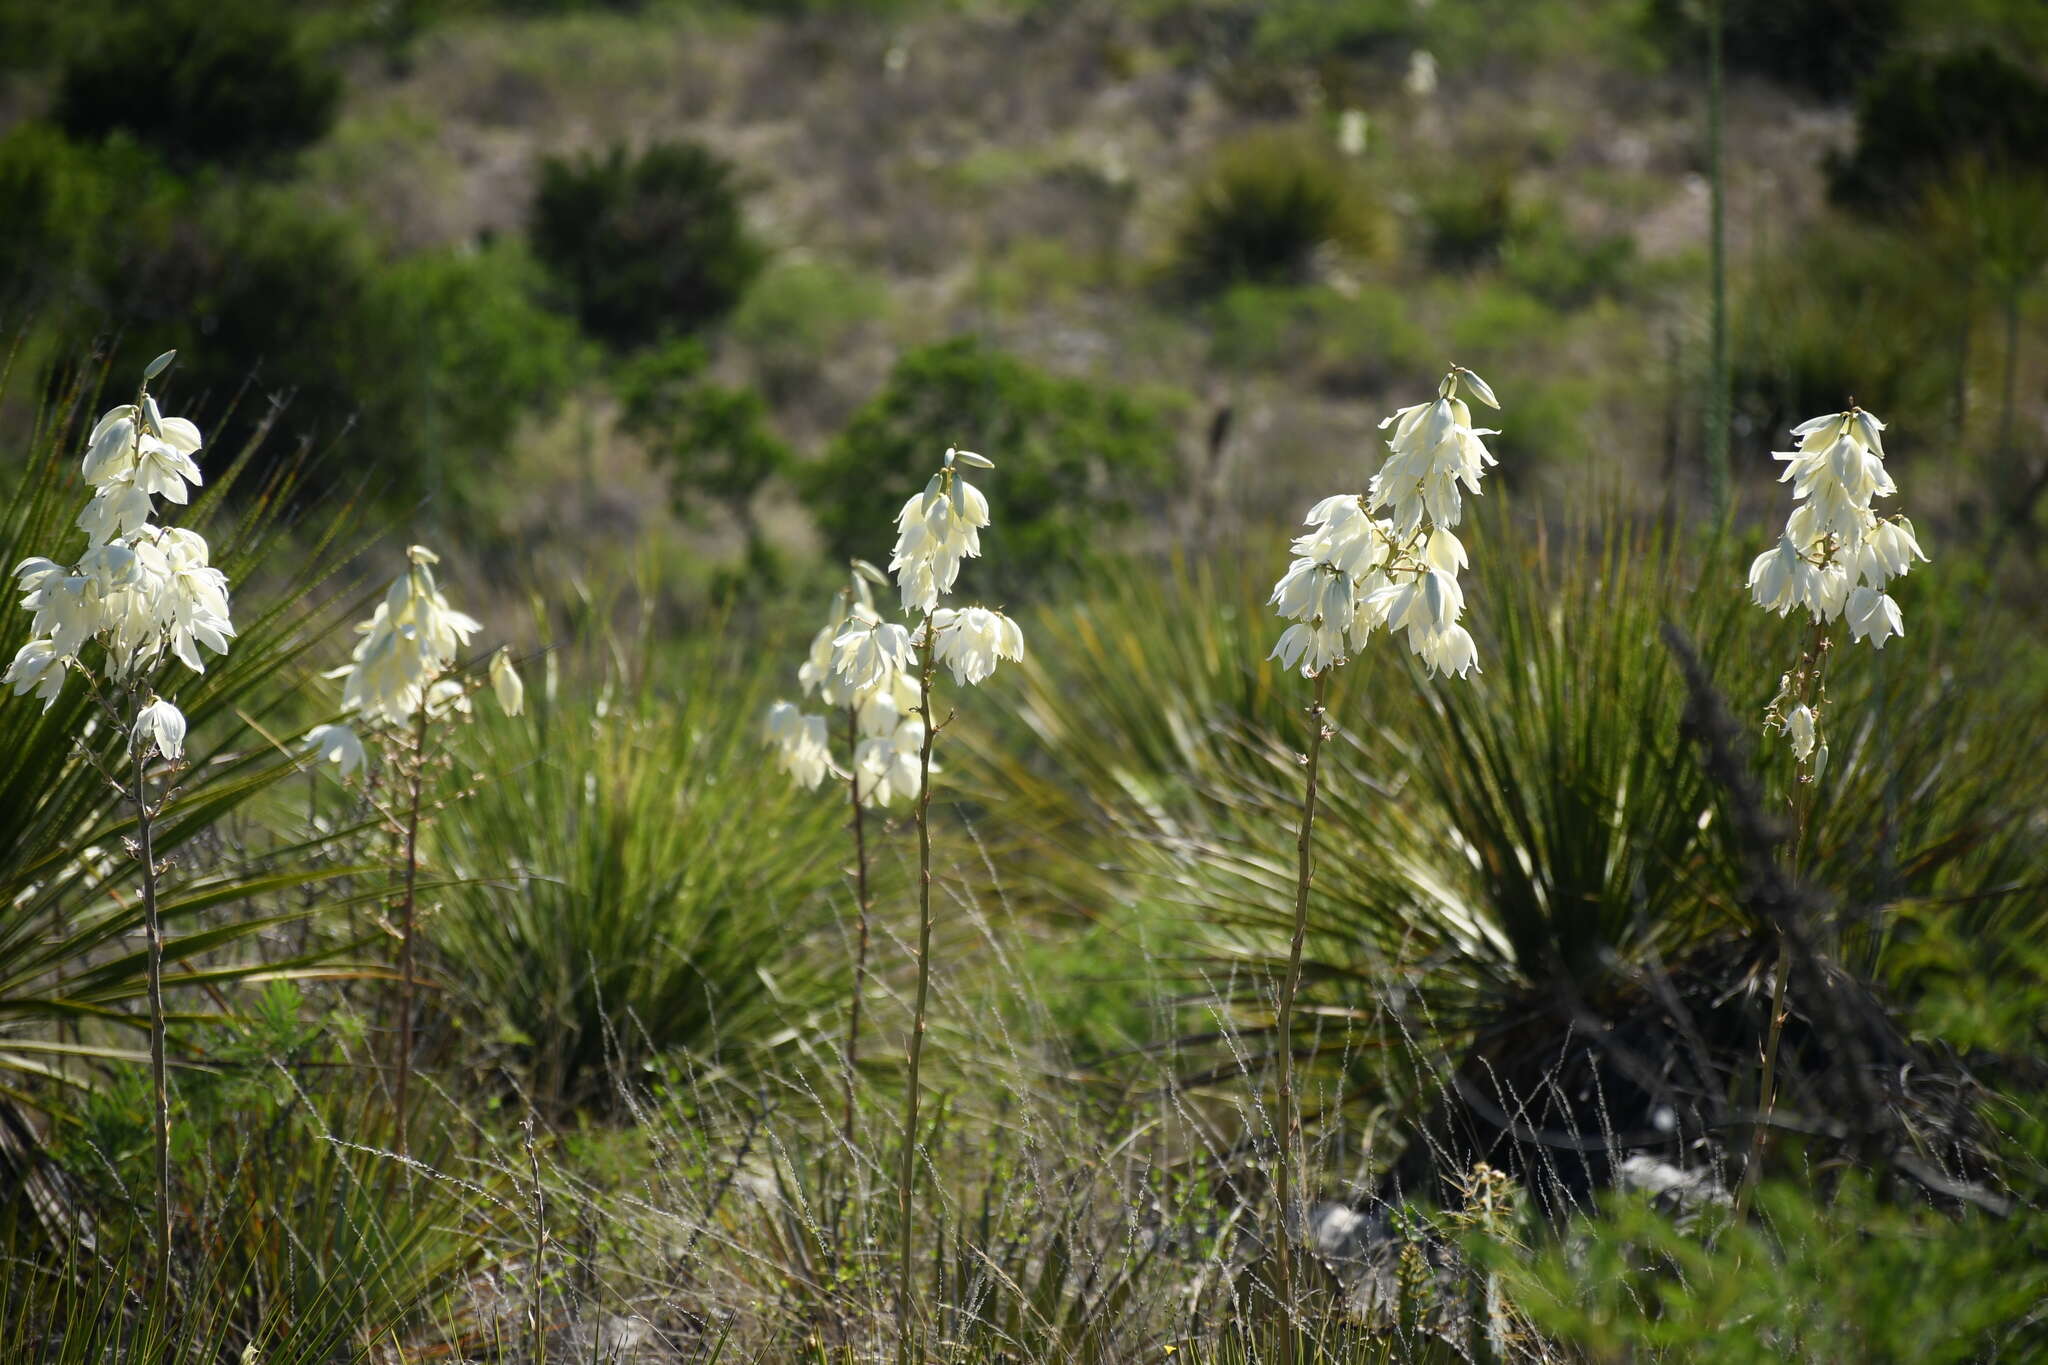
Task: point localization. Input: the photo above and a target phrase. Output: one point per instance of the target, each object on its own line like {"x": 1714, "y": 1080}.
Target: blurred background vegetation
{"x": 649, "y": 313}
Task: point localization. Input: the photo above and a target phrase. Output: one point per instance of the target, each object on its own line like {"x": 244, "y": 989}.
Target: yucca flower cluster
{"x": 1834, "y": 557}
{"x": 936, "y": 529}
{"x": 858, "y": 662}
{"x": 403, "y": 662}
{"x": 1388, "y": 557}
{"x": 142, "y": 590}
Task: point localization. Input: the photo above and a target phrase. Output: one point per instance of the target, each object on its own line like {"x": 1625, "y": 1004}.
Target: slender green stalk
{"x": 146, "y": 850}
{"x": 1290, "y": 1118}
{"x": 1812, "y": 691}
{"x": 907, "y": 1173}
{"x": 408, "y": 919}
{"x": 860, "y": 897}
{"x": 1717, "y": 182}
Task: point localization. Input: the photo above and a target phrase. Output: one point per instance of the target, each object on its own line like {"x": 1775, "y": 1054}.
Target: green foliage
{"x": 58, "y": 196}
{"x": 798, "y": 313}
{"x": 714, "y": 442}
{"x": 1921, "y": 119}
{"x": 1469, "y": 213}
{"x": 1359, "y": 340}
{"x": 1263, "y": 210}
{"x": 69, "y": 956}
{"x": 647, "y": 245}
{"x": 1824, "y": 1277}
{"x": 635, "y": 879}
{"x": 1826, "y": 47}
{"x": 300, "y": 1239}
{"x": 428, "y": 362}
{"x": 1073, "y": 460}
{"x": 1845, "y": 313}
{"x": 227, "y": 81}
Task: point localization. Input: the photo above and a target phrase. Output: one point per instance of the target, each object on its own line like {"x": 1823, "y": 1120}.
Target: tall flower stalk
{"x": 402, "y": 678}
{"x": 1833, "y": 560}
{"x": 937, "y": 529}
{"x": 877, "y": 696}
{"x": 1387, "y": 557}
{"x": 140, "y": 592}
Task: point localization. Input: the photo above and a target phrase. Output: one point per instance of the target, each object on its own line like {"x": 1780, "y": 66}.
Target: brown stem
{"x": 907, "y": 1173}
{"x": 860, "y": 896}
{"x": 145, "y": 843}
{"x": 408, "y": 919}
{"x": 1290, "y": 1120}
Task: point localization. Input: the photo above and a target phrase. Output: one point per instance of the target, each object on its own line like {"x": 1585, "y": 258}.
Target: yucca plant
{"x": 68, "y": 964}
{"x": 632, "y": 878}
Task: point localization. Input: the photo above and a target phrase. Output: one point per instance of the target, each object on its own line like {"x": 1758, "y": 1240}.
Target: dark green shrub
{"x": 1921, "y": 120}
{"x": 1266, "y": 207}
{"x": 57, "y": 197}
{"x": 647, "y": 246}
{"x": 428, "y": 362}
{"x": 1845, "y": 314}
{"x": 1469, "y": 214}
{"x": 1825, "y": 46}
{"x": 714, "y": 442}
{"x": 203, "y": 81}
{"x": 1073, "y": 461}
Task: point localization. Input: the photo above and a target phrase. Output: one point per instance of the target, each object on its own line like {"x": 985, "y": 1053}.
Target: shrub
{"x": 1845, "y": 314}
{"x": 226, "y": 81}
{"x": 56, "y": 195}
{"x": 430, "y": 361}
{"x": 1074, "y": 460}
{"x": 1469, "y": 214}
{"x": 714, "y": 442}
{"x": 647, "y": 246}
{"x": 1825, "y": 46}
{"x": 1921, "y": 119}
{"x": 1265, "y": 208}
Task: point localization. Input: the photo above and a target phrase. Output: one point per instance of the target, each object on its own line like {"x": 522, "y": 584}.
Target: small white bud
{"x": 158, "y": 366}
{"x": 968, "y": 457}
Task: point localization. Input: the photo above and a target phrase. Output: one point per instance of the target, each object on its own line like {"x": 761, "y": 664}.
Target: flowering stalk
{"x": 1833, "y": 559}
{"x": 1352, "y": 573}
{"x": 860, "y": 903}
{"x": 935, "y": 531}
{"x": 1290, "y": 1132}
{"x": 159, "y": 1084}
{"x": 906, "y": 1175}
{"x": 143, "y": 592}
{"x": 417, "y": 779}
{"x": 402, "y": 677}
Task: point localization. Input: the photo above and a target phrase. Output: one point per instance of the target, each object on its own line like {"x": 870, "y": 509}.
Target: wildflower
{"x": 337, "y": 744}
{"x": 1354, "y": 572}
{"x": 886, "y": 766}
{"x": 411, "y": 638}
{"x": 40, "y": 667}
{"x": 505, "y": 682}
{"x": 1800, "y": 728}
{"x": 800, "y": 742}
{"x": 161, "y": 725}
{"x": 970, "y": 640}
{"x": 1834, "y": 557}
{"x": 936, "y": 529}
{"x": 868, "y": 651}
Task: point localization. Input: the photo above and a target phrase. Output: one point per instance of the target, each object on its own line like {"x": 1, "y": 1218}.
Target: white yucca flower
{"x": 1355, "y": 572}
{"x": 142, "y": 590}
{"x": 936, "y": 529}
{"x": 337, "y": 744}
{"x": 1837, "y": 553}
{"x": 161, "y": 726}
{"x": 1833, "y": 560}
{"x": 800, "y": 744}
{"x": 409, "y": 641}
{"x": 970, "y": 640}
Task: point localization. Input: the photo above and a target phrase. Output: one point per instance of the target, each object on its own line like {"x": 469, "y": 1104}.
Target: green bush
{"x": 57, "y": 198}
{"x": 647, "y": 246}
{"x": 1264, "y": 209}
{"x": 1843, "y": 314}
{"x": 1922, "y": 119}
{"x": 1824, "y": 46}
{"x": 229, "y": 81}
{"x": 427, "y": 362}
{"x": 1074, "y": 461}
{"x": 714, "y": 442}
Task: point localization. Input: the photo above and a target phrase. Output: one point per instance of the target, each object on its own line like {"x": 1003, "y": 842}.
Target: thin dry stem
{"x": 907, "y": 1173}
